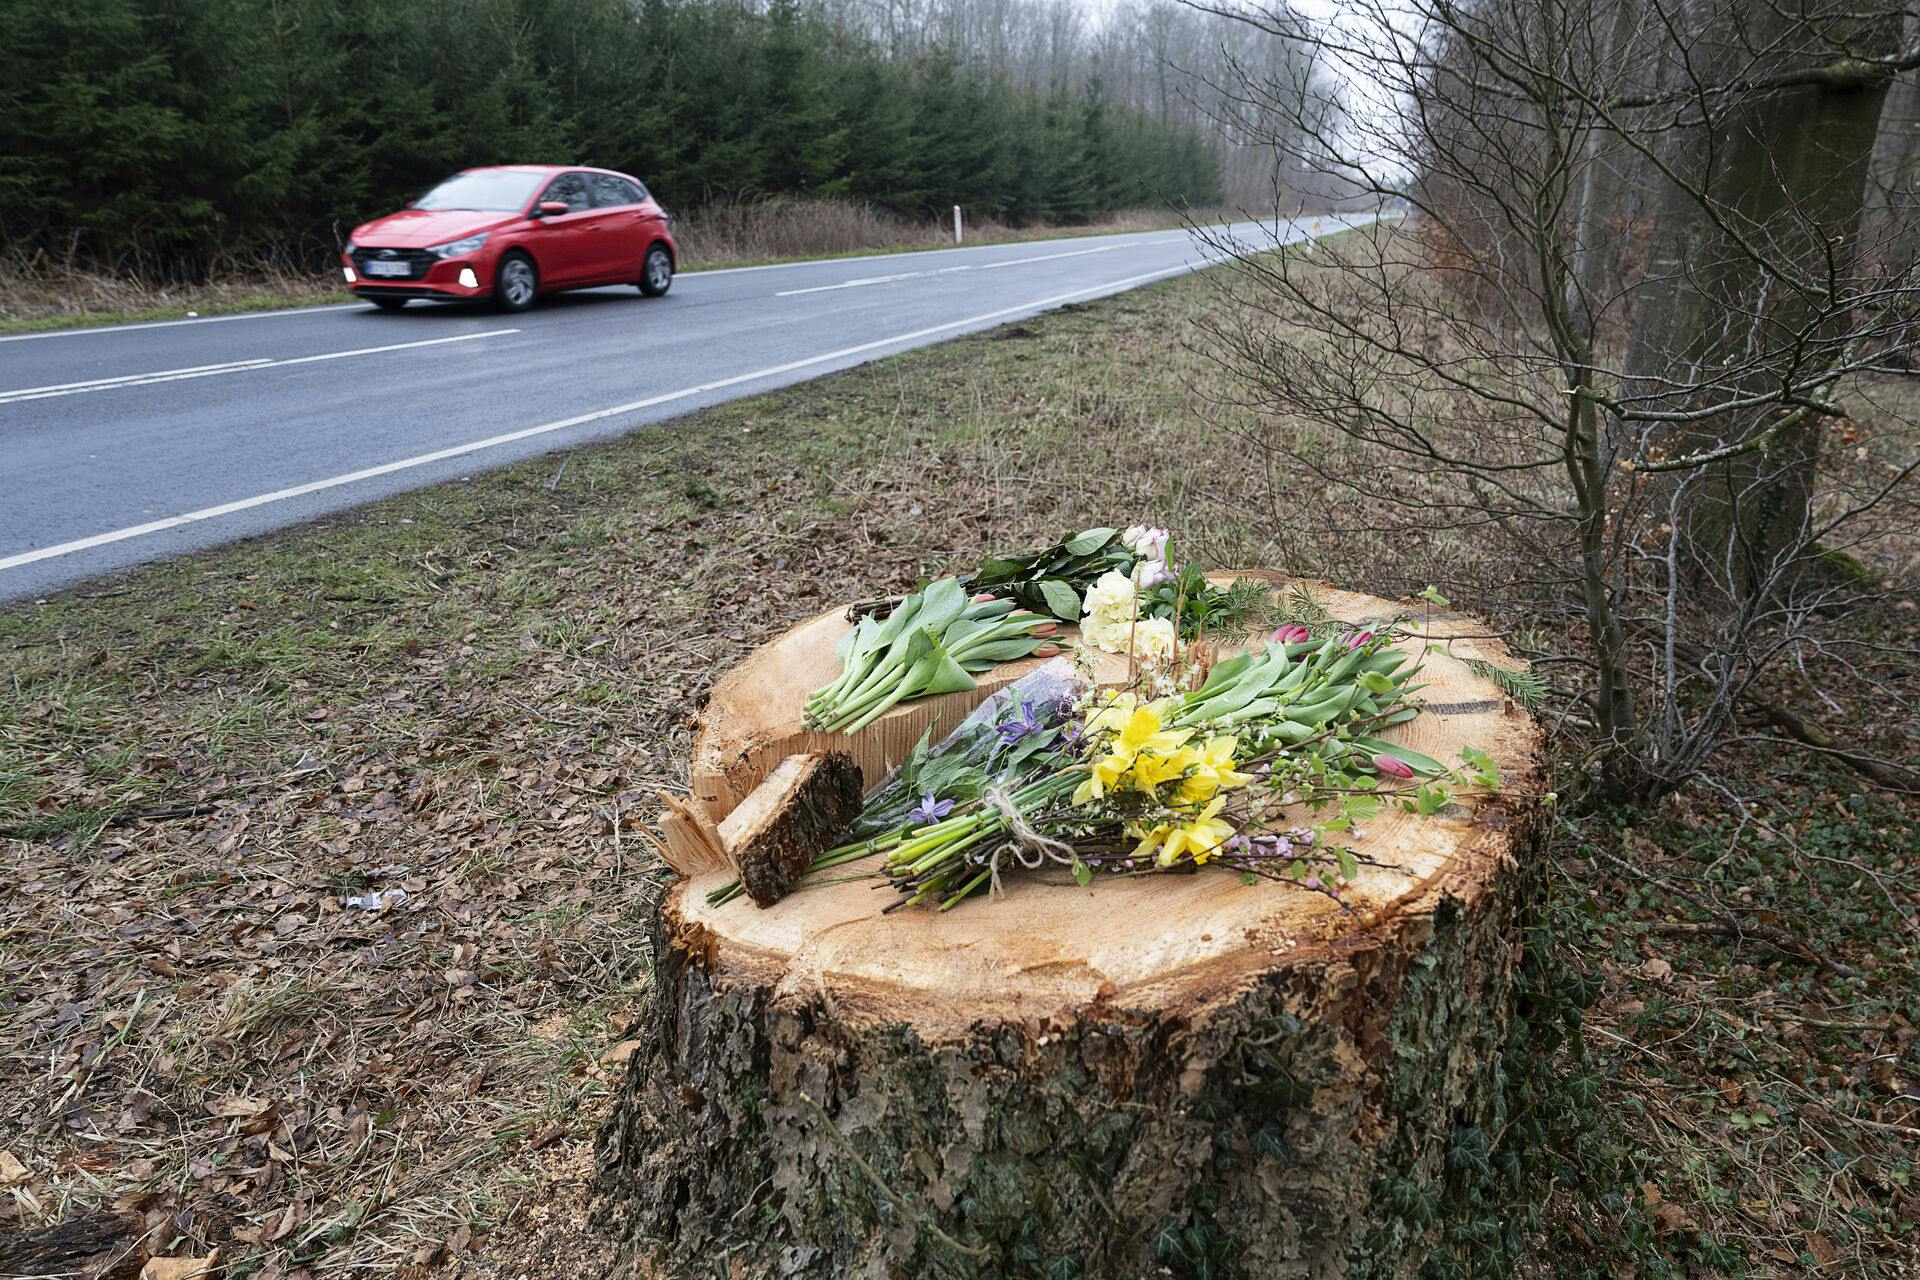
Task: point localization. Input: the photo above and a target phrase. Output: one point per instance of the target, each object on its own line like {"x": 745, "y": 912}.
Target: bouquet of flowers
{"x": 1118, "y": 586}
{"x": 1267, "y": 763}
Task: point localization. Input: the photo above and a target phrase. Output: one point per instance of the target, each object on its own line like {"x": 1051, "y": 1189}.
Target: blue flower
{"x": 930, "y": 809}
{"x": 1016, "y": 727}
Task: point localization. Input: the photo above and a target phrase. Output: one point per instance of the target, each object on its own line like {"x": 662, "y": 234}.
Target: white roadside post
{"x": 956, "y": 224}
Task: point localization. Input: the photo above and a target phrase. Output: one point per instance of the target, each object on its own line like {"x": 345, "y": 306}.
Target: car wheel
{"x": 515, "y": 283}
{"x": 656, "y": 273}
{"x": 389, "y": 304}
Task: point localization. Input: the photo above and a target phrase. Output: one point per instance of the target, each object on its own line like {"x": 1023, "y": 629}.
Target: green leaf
{"x": 1063, "y": 602}
{"x": 1082, "y": 873}
{"x": 1414, "y": 760}
{"x": 937, "y": 672}
{"x": 1349, "y": 868}
{"x": 1088, "y": 542}
{"x": 1432, "y": 596}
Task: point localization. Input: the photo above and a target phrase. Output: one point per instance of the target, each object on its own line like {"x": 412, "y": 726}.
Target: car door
{"x": 567, "y": 247}
{"x": 624, "y": 232}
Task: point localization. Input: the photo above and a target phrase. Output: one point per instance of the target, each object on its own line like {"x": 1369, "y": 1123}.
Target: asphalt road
{"x": 126, "y": 444}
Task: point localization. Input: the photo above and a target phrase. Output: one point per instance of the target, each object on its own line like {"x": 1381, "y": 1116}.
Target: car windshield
{"x": 501, "y": 189}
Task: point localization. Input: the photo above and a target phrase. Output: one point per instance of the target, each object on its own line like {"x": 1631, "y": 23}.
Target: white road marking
{"x": 171, "y": 324}
{"x": 956, "y": 248}
{"x": 946, "y": 271}
{"x": 131, "y": 377}
{"x": 215, "y": 370}
{"x": 459, "y": 450}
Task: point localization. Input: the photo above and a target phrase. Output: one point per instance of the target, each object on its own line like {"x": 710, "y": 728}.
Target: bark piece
{"x": 1174, "y": 1075}
{"x": 753, "y": 718}
{"x": 802, "y": 809}
{"x": 97, "y": 1245}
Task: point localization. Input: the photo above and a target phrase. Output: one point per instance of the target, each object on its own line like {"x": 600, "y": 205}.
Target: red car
{"x": 512, "y": 233}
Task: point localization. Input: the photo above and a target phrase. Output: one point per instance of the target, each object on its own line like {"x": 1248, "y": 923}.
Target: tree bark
{"x": 1179, "y": 1076}
{"x": 1769, "y": 201}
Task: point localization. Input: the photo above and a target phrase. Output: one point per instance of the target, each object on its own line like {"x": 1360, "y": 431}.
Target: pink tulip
{"x": 1047, "y": 651}
{"x": 1045, "y": 629}
{"x": 1391, "y": 766}
{"x": 1353, "y": 641}
{"x": 985, "y": 597}
{"x": 1292, "y": 633}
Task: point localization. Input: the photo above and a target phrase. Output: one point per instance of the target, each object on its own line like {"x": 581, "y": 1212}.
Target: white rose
{"x": 1153, "y": 640}
{"x": 1113, "y": 596}
{"x": 1111, "y": 605}
{"x": 1102, "y": 634}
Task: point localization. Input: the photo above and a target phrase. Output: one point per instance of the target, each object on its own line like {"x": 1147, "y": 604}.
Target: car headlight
{"x": 455, "y": 248}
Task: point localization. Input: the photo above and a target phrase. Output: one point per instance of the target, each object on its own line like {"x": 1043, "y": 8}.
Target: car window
{"x": 639, "y": 191}
{"x": 490, "y": 189}
{"x": 609, "y": 191}
{"x": 571, "y": 190}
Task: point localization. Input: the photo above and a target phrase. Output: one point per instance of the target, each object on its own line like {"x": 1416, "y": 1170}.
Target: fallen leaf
{"x": 1656, "y": 970}
{"x": 620, "y": 1052}
{"x": 179, "y": 1268}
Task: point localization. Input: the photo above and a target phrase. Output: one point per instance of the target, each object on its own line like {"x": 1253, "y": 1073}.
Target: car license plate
{"x": 389, "y": 269}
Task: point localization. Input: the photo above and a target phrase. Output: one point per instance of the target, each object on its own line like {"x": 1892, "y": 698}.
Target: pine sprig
{"x": 1297, "y": 606}
{"x": 1524, "y": 687}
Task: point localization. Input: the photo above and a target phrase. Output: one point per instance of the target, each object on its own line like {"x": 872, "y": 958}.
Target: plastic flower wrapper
{"x": 1005, "y": 736}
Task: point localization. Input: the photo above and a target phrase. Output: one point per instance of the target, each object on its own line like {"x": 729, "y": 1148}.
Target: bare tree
{"x": 1625, "y": 335}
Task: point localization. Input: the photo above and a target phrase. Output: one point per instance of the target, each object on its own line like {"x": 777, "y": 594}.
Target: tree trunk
{"x": 1731, "y": 307}
{"x": 1171, "y": 1075}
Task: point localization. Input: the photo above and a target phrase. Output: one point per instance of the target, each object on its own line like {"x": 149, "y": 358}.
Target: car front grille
{"x": 418, "y": 262}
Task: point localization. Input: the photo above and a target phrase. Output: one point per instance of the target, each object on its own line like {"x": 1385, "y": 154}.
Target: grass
{"x": 470, "y": 695}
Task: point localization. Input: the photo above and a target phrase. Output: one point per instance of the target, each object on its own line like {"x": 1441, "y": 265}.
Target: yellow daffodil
{"x": 1213, "y": 772}
{"x": 1197, "y": 837}
{"x": 1139, "y": 734}
{"x": 1113, "y": 714}
{"x": 1149, "y": 771}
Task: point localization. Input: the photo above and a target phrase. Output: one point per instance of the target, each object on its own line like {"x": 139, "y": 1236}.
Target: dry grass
{"x": 36, "y": 292}
{"x": 469, "y": 694}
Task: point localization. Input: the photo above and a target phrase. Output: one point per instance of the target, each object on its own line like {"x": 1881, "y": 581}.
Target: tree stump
{"x": 1169, "y": 1075}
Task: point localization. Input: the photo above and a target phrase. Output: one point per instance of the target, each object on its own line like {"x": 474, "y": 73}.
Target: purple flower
{"x": 930, "y": 809}
{"x": 1018, "y": 726}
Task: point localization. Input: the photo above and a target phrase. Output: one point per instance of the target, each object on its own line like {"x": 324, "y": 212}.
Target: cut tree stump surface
{"x": 1040, "y": 949}
{"x": 1153, "y": 1075}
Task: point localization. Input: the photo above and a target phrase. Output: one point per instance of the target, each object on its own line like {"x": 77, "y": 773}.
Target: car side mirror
{"x": 551, "y": 208}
